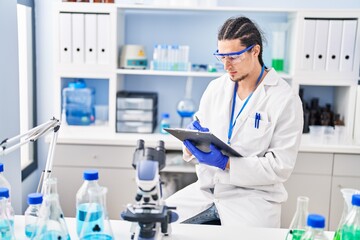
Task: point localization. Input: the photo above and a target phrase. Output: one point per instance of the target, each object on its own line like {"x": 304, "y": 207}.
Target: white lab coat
{"x": 251, "y": 192}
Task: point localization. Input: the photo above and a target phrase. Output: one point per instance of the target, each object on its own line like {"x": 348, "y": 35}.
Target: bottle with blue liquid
{"x": 51, "y": 223}
{"x": 96, "y": 224}
{"x": 32, "y": 213}
{"x": 6, "y": 216}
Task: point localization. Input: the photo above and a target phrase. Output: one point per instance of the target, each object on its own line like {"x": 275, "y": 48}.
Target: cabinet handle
{"x": 95, "y": 156}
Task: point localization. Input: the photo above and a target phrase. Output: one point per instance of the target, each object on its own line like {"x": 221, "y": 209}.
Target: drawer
{"x": 314, "y": 163}
{"x": 134, "y": 127}
{"x": 347, "y": 165}
{"x": 135, "y": 103}
{"x": 93, "y": 156}
{"x": 135, "y": 115}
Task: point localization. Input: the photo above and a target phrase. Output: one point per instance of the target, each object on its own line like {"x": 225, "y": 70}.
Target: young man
{"x": 259, "y": 115}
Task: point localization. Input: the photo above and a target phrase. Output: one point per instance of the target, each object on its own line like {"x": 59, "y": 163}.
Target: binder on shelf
{"x": 321, "y": 42}
{"x": 307, "y": 58}
{"x": 348, "y": 45}
{"x": 103, "y": 37}
{"x": 90, "y": 38}
{"x": 65, "y": 37}
{"x": 78, "y": 37}
{"x": 334, "y": 45}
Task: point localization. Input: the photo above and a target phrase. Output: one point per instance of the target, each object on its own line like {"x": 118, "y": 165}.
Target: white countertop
{"x": 102, "y": 137}
{"x": 121, "y": 231}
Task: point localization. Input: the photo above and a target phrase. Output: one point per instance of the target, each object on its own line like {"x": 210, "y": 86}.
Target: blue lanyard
{"x": 232, "y": 124}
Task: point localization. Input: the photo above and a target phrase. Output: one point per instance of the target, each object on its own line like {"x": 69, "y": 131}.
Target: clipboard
{"x": 202, "y": 140}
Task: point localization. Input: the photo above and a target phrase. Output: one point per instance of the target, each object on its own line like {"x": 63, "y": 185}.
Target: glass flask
{"x": 350, "y": 230}
{"x": 298, "y": 223}
{"x": 347, "y": 194}
{"x": 3, "y": 181}
{"x": 6, "y": 216}
{"x": 186, "y": 109}
{"x": 32, "y": 213}
{"x": 315, "y": 230}
{"x": 51, "y": 223}
{"x": 91, "y": 178}
{"x": 96, "y": 225}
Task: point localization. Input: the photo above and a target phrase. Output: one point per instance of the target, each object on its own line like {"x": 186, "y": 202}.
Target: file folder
{"x": 90, "y": 38}
{"x": 65, "y": 37}
{"x": 103, "y": 36}
{"x": 348, "y": 45}
{"x": 78, "y": 36}
{"x": 334, "y": 45}
{"x": 308, "y": 45}
{"x": 321, "y": 42}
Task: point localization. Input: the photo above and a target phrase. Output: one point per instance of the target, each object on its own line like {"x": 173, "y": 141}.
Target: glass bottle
{"x": 298, "y": 223}
{"x": 32, "y": 213}
{"x": 165, "y": 123}
{"x": 3, "y": 181}
{"x": 96, "y": 224}
{"x": 6, "y": 216}
{"x": 315, "y": 231}
{"x": 91, "y": 178}
{"x": 347, "y": 194}
{"x": 51, "y": 223}
{"x": 351, "y": 227}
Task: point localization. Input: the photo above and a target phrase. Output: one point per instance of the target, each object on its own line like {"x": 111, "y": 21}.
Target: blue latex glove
{"x": 213, "y": 158}
{"x": 195, "y": 125}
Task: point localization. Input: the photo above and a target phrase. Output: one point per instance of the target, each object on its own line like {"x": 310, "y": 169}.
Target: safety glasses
{"x": 233, "y": 57}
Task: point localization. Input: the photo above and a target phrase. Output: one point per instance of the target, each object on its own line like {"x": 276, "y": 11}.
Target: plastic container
{"x": 32, "y": 213}
{"x": 298, "y": 223}
{"x": 164, "y": 123}
{"x": 3, "y": 181}
{"x": 6, "y": 216}
{"x": 91, "y": 178}
{"x": 79, "y": 104}
{"x": 315, "y": 231}
{"x": 351, "y": 227}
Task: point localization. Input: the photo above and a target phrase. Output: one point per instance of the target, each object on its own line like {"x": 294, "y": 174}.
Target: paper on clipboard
{"x": 202, "y": 140}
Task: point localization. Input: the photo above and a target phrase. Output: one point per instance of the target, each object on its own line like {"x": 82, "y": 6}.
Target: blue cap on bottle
{"x": 316, "y": 221}
{"x": 77, "y": 84}
{"x": 165, "y": 115}
{"x": 91, "y": 174}
{"x": 1, "y": 167}
{"x": 35, "y": 198}
{"x": 4, "y": 192}
{"x": 356, "y": 200}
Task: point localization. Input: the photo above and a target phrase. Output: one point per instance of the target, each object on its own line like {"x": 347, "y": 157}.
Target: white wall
{"x": 9, "y": 97}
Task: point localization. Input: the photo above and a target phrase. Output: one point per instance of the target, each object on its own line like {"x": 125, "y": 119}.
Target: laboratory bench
{"x": 121, "y": 230}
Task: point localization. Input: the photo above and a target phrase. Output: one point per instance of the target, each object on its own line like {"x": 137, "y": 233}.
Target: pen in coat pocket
{"x": 257, "y": 120}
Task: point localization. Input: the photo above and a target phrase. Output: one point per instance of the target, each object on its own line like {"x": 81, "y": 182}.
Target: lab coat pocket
{"x": 256, "y": 135}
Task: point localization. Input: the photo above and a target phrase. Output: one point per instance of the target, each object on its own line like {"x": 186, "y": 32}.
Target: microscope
{"x": 149, "y": 214}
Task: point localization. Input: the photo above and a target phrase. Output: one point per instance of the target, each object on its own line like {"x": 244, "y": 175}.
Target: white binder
{"x": 103, "y": 37}
{"x": 65, "y": 37}
{"x": 348, "y": 45}
{"x": 90, "y": 38}
{"x": 334, "y": 45}
{"x": 321, "y": 40}
{"x": 307, "y": 57}
{"x": 78, "y": 35}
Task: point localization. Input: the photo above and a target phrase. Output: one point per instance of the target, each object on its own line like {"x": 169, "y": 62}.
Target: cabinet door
{"x": 119, "y": 182}
{"x": 337, "y": 200}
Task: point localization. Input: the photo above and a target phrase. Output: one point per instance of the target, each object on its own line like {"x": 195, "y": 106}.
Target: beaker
{"x": 347, "y": 194}
{"x": 298, "y": 223}
{"x": 96, "y": 224}
{"x": 51, "y": 224}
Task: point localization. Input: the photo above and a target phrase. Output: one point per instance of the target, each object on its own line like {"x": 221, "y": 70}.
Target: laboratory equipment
{"x": 82, "y": 196}
{"x": 298, "y": 223}
{"x": 347, "y": 194}
{"x": 186, "y": 107}
{"x": 32, "y": 213}
{"x": 78, "y": 103}
{"x": 51, "y": 223}
{"x": 3, "y": 181}
{"x": 149, "y": 214}
{"x": 6, "y": 216}
{"x": 315, "y": 230}
{"x": 133, "y": 57}
{"x": 165, "y": 123}
{"x": 278, "y": 46}
{"x": 96, "y": 224}
{"x": 350, "y": 230}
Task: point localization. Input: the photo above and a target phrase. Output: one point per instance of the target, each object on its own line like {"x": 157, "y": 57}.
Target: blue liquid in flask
{"x": 53, "y": 235}
{"x": 96, "y": 219}
{"x": 97, "y": 236}
{"x": 30, "y": 230}
{"x": 5, "y": 231}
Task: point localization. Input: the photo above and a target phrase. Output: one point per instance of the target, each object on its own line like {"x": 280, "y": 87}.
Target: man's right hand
{"x": 195, "y": 125}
